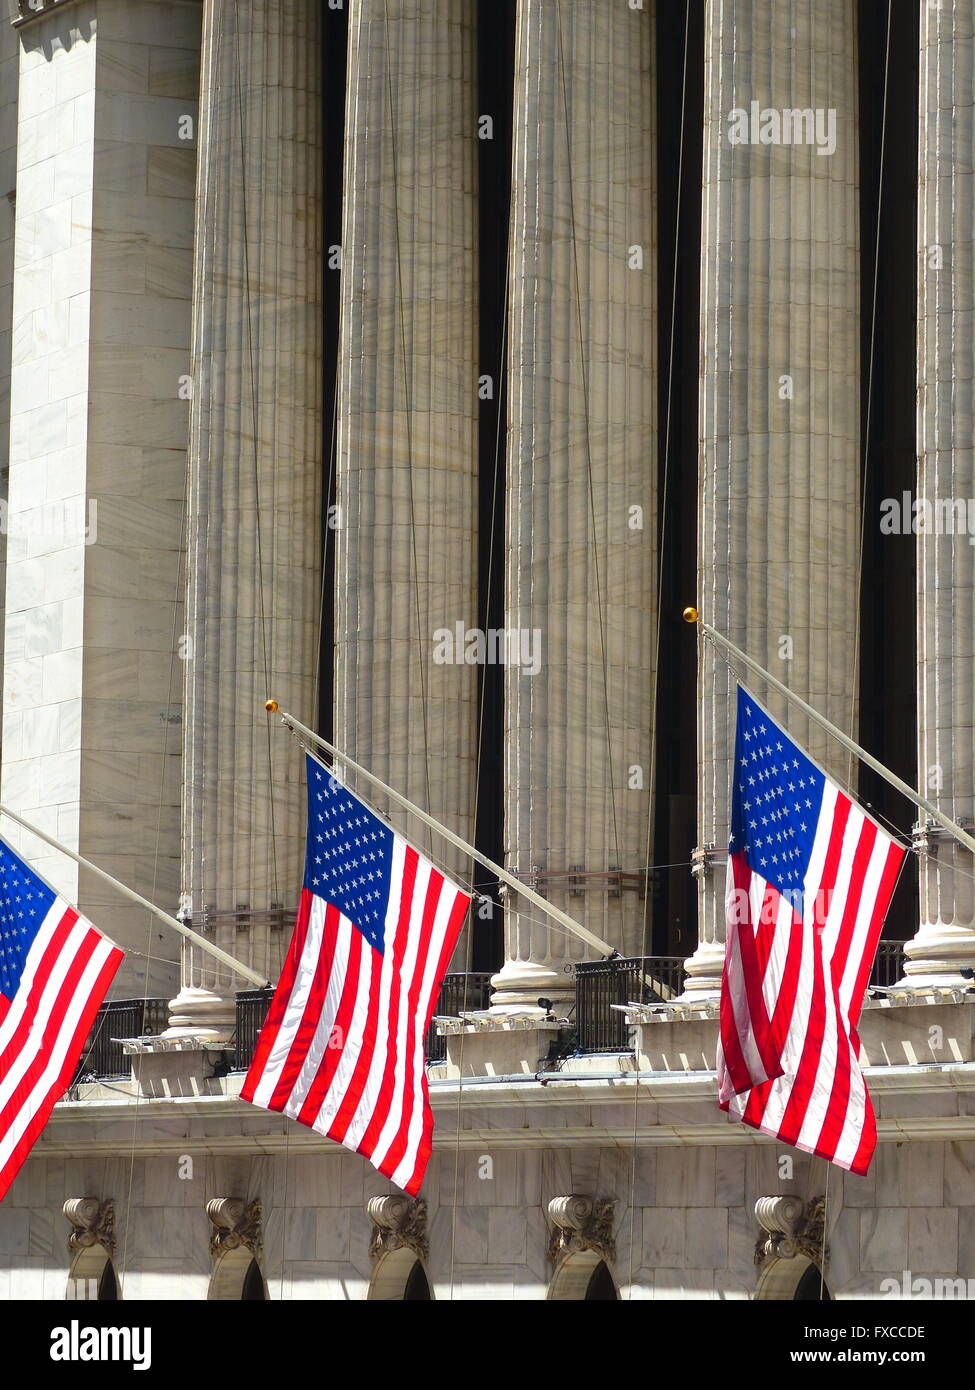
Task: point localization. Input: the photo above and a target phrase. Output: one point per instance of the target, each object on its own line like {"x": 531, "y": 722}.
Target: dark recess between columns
{"x": 334, "y": 58}
{"x": 495, "y": 88}
{"x": 888, "y": 665}
{"x": 674, "y": 905}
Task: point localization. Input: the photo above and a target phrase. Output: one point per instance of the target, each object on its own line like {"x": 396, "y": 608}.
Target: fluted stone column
{"x": 253, "y": 527}
{"x": 778, "y": 521}
{"x": 581, "y": 487}
{"x": 406, "y": 538}
{"x": 945, "y": 942}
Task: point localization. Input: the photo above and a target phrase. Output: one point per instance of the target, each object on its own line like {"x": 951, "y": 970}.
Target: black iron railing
{"x": 650, "y": 979}
{"x": 459, "y": 993}
{"x": 888, "y": 967}
{"x": 252, "y": 1007}
{"x": 103, "y": 1057}
{"x": 621, "y": 980}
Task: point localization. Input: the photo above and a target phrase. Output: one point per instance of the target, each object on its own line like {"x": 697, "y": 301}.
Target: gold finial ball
{"x": 271, "y": 706}
{"x": 690, "y": 615}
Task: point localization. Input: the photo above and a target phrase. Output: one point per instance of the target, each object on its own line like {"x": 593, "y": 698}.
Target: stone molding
{"x": 235, "y": 1224}
{"x": 791, "y": 1229}
{"x": 581, "y": 1223}
{"x": 398, "y": 1223}
{"x": 92, "y": 1223}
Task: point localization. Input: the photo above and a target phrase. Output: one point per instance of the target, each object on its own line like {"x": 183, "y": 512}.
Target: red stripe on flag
{"x": 788, "y": 985}
{"x": 328, "y": 1066}
{"x": 20, "y": 1037}
{"x": 425, "y": 1146}
{"x": 78, "y": 1039}
{"x": 394, "y": 1154}
{"x": 807, "y": 1071}
{"x": 339, "y": 1127}
{"x": 754, "y": 957}
{"x": 279, "y": 1004}
{"x": 386, "y": 1091}
{"x": 311, "y": 1014}
{"x": 888, "y": 882}
{"x": 868, "y": 1138}
{"x": 839, "y": 1096}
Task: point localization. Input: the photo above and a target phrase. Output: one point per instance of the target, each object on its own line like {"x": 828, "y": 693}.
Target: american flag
{"x": 810, "y": 877}
{"x": 54, "y": 971}
{"x": 341, "y": 1049}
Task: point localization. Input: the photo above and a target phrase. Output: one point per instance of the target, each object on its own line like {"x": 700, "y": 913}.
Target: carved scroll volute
{"x": 93, "y": 1223}
{"x": 791, "y": 1229}
{"x": 397, "y": 1222}
{"x": 235, "y": 1225}
{"x": 581, "y": 1223}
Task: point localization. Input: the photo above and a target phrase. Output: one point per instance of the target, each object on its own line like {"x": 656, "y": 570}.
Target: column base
{"x": 937, "y": 955}
{"x": 199, "y": 1013}
{"x": 704, "y": 970}
{"x": 520, "y": 984}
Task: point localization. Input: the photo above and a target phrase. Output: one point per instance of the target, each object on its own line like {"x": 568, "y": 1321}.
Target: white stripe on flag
{"x": 74, "y": 1008}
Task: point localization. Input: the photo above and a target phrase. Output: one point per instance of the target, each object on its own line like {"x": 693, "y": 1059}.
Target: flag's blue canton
{"x": 24, "y": 903}
{"x": 776, "y": 799}
{"x": 349, "y": 857}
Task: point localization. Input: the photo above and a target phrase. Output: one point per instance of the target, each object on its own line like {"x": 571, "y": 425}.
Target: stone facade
{"x": 679, "y": 1183}
{"x": 162, "y": 360}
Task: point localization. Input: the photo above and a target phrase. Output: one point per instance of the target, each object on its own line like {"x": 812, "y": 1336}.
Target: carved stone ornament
{"x": 580, "y": 1223}
{"x": 92, "y": 1222}
{"x": 398, "y": 1222}
{"x": 234, "y": 1225}
{"x": 790, "y": 1229}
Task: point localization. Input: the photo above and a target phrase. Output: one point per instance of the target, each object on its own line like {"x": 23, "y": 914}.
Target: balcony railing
{"x": 599, "y": 1027}
{"x": 103, "y": 1058}
{"x": 648, "y": 979}
{"x": 252, "y": 1007}
{"x": 621, "y": 980}
{"x": 460, "y": 993}
{"x": 888, "y": 967}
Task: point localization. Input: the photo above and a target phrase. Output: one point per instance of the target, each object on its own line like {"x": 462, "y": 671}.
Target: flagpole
{"x": 536, "y": 899}
{"x": 691, "y": 615}
{"x": 129, "y": 893}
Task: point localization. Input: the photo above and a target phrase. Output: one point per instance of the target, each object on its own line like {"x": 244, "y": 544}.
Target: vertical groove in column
{"x": 406, "y": 474}
{"x": 779, "y": 479}
{"x": 582, "y": 357}
{"x": 406, "y": 547}
{"x": 945, "y": 942}
{"x": 255, "y": 473}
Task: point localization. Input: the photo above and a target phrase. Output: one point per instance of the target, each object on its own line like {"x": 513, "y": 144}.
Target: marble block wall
{"x": 690, "y": 1232}
{"x": 101, "y": 328}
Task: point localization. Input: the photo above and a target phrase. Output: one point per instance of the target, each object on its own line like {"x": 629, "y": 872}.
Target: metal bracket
{"x": 702, "y": 860}
{"x": 928, "y": 836}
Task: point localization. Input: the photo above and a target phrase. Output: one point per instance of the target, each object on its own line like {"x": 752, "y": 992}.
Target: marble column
{"x": 102, "y": 287}
{"x": 9, "y": 86}
{"x": 254, "y": 500}
{"x": 945, "y": 942}
{"x": 581, "y": 486}
{"x": 779, "y": 515}
{"x": 406, "y": 524}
